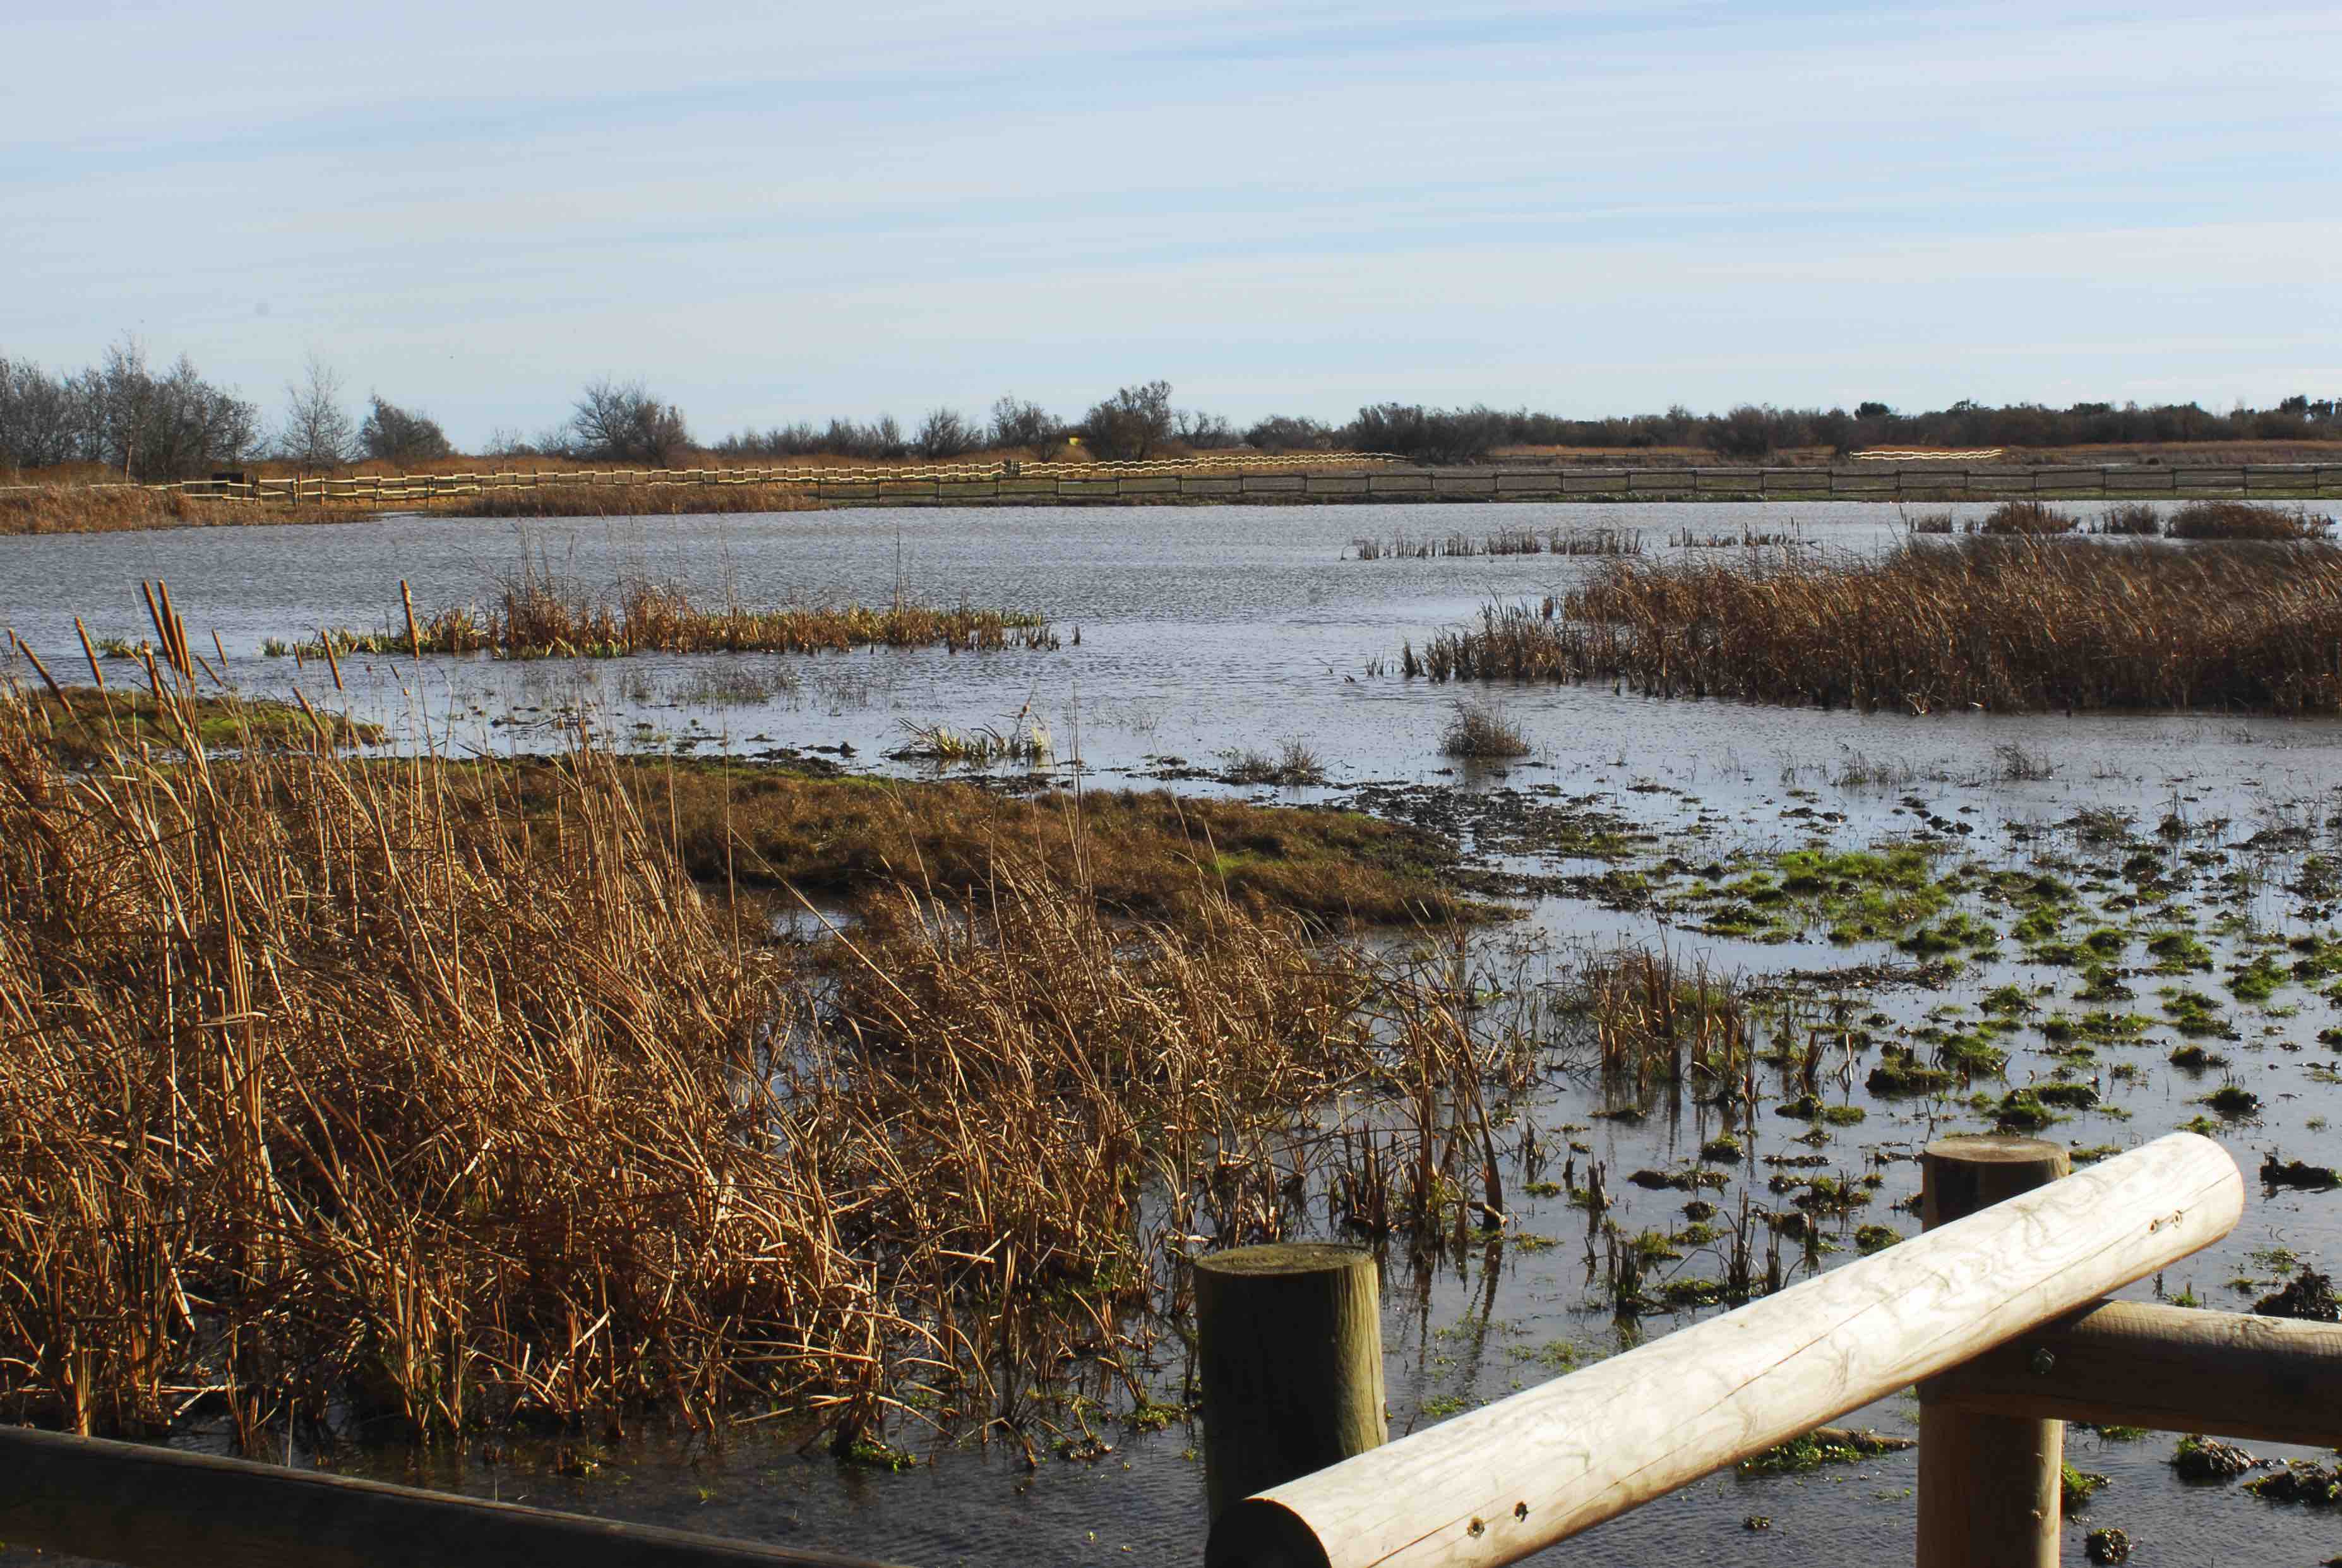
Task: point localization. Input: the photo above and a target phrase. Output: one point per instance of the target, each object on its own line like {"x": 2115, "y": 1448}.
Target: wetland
{"x": 834, "y": 1048}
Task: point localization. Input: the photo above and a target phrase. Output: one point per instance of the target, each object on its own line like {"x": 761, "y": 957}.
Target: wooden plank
{"x": 2166, "y": 1368}
{"x": 1514, "y": 1478}
{"x": 131, "y": 1503}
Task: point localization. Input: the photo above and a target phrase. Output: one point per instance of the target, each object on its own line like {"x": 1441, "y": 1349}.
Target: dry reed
{"x": 1481, "y": 731}
{"x": 402, "y": 1096}
{"x": 1655, "y": 1019}
{"x": 2026, "y": 517}
{"x": 1579, "y": 541}
{"x": 2245, "y": 520}
{"x": 535, "y": 616}
{"x": 81, "y": 509}
{"x": 2001, "y": 625}
{"x": 584, "y": 500}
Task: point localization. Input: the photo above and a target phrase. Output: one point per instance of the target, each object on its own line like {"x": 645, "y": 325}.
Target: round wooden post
{"x": 1290, "y": 1338}
{"x": 1989, "y": 1484}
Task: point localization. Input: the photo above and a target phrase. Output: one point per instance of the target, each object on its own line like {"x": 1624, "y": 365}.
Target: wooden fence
{"x": 1319, "y": 477}
{"x": 1994, "y": 1310}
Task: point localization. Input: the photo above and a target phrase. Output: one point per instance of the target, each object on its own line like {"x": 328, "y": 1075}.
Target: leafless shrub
{"x": 943, "y": 434}
{"x": 621, "y": 422}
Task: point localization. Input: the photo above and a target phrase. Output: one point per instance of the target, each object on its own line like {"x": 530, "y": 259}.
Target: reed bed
{"x": 329, "y": 1098}
{"x": 1747, "y": 538}
{"x": 1294, "y": 763}
{"x": 2134, "y": 519}
{"x": 1026, "y": 741}
{"x": 628, "y": 501}
{"x": 82, "y": 509}
{"x": 2009, "y": 625}
{"x": 1574, "y": 541}
{"x": 1482, "y": 731}
{"x": 2245, "y": 520}
{"x": 1655, "y": 1019}
{"x": 345, "y": 1098}
{"x": 2028, "y": 518}
{"x": 534, "y": 616}
{"x": 81, "y": 726}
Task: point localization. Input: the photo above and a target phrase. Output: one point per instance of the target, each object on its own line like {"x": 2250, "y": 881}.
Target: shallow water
{"x": 1212, "y": 629}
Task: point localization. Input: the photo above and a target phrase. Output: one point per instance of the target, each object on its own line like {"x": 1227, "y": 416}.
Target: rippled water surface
{"x": 1208, "y": 630}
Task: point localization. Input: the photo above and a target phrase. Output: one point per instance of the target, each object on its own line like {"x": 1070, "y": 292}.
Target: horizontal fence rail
{"x": 1319, "y": 477}
{"x": 150, "y": 1507}
{"x": 2167, "y": 1369}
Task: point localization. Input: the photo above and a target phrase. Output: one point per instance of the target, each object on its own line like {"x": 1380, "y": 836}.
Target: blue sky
{"x": 1583, "y": 207}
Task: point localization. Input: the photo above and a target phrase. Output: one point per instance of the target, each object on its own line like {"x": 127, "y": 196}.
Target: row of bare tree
{"x": 146, "y": 424}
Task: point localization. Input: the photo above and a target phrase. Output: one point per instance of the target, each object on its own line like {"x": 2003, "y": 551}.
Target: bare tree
{"x": 124, "y": 415}
{"x": 944, "y": 433}
{"x": 1133, "y": 423}
{"x": 36, "y": 417}
{"x": 1026, "y": 424}
{"x": 317, "y": 431}
{"x": 1203, "y": 431}
{"x": 622, "y": 422}
{"x": 395, "y": 434}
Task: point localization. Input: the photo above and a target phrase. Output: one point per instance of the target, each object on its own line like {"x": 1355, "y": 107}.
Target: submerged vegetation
{"x": 2011, "y": 626}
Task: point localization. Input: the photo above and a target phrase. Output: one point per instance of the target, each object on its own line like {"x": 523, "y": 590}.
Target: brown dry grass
{"x": 534, "y": 615}
{"x": 2007, "y": 624}
{"x": 342, "y": 1097}
{"x": 2026, "y": 517}
{"x": 628, "y": 501}
{"x": 2244, "y": 520}
{"x": 73, "y": 510}
{"x": 84, "y": 725}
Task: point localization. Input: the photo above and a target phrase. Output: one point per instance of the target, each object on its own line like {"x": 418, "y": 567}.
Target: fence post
{"x": 1989, "y": 1484}
{"x": 1290, "y": 1339}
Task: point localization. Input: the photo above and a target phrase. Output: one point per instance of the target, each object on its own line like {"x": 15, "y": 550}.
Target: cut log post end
{"x": 1961, "y": 1176}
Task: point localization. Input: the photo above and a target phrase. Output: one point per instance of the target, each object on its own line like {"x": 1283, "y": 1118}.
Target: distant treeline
{"x": 126, "y": 417}
{"x": 1138, "y": 422}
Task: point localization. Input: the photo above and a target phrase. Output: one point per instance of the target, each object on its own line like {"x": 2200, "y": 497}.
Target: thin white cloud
{"x": 787, "y": 212}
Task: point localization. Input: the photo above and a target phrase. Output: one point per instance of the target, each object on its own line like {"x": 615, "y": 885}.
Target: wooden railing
{"x": 1315, "y": 477}
{"x": 1994, "y": 1310}
{"x": 151, "y": 1507}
